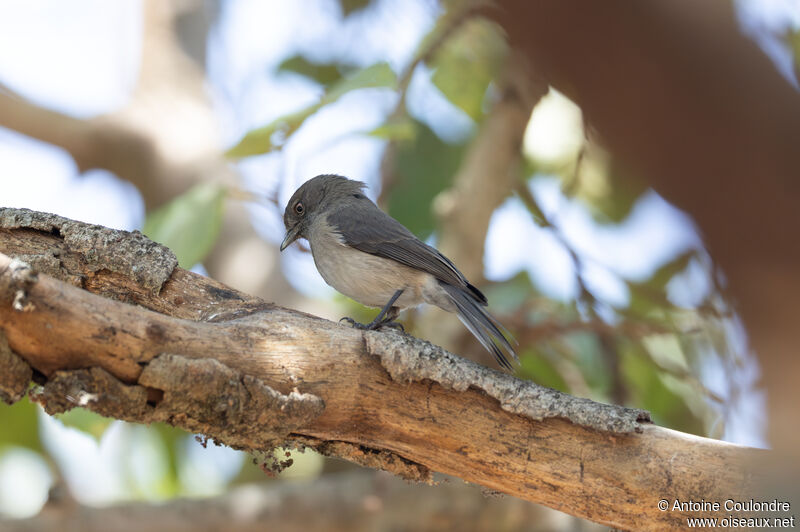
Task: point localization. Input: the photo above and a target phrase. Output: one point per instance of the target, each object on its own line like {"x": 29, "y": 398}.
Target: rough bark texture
{"x": 200, "y": 395}
{"x": 408, "y": 361}
{"x": 129, "y": 254}
{"x": 422, "y": 409}
{"x": 15, "y": 376}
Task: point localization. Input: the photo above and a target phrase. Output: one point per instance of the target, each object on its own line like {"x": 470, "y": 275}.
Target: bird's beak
{"x": 291, "y": 236}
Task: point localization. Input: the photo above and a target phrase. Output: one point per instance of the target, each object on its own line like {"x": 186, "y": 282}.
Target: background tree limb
{"x": 213, "y": 360}
{"x": 355, "y": 501}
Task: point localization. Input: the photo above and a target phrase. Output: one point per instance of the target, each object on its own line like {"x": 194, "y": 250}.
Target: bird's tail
{"x": 482, "y": 325}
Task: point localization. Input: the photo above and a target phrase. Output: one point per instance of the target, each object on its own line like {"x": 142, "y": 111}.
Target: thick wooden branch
{"x": 99, "y": 333}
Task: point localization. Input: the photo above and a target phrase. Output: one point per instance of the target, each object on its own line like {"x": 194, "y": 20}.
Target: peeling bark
{"x": 407, "y": 361}
{"x": 130, "y": 254}
{"x": 15, "y": 374}
{"x": 201, "y": 395}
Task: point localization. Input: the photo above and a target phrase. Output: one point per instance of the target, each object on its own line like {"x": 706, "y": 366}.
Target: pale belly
{"x": 368, "y": 279}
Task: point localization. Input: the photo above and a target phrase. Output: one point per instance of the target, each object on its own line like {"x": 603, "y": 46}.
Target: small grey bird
{"x": 369, "y": 256}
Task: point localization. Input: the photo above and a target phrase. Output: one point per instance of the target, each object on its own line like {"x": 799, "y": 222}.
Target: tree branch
{"x": 207, "y": 358}
{"x": 356, "y": 501}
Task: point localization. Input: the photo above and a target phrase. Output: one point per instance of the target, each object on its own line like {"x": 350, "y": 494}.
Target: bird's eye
{"x": 298, "y": 208}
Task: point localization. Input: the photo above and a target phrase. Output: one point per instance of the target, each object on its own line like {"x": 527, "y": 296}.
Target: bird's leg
{"x": 385, "y": 317}
{"x": 388, "y": 320}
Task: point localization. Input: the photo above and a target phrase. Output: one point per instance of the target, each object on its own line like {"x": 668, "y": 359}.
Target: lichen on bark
{"x": 409, "y": 359}
{"x": 128, "y": 253}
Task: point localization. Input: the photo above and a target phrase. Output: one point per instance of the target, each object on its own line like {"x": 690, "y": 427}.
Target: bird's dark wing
{"x": 369, "y": 229}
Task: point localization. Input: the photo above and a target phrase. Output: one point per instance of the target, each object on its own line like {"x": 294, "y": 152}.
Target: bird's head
{"x": 315, "y": 197}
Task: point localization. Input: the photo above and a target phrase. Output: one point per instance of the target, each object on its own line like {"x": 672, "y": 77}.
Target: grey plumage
{"x": 369, "y": 256}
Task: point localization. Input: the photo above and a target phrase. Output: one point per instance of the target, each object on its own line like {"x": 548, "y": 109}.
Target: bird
{"x": 372, "y": 258}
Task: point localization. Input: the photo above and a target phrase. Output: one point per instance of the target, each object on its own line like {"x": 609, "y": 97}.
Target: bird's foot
{"x": 391, "y": 325}
{"x": 354, "y": 324}
{"x": 374, "y": 325}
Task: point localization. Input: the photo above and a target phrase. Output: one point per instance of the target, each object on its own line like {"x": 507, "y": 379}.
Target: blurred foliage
{"x": 792, "y": 39}
{"x": 273, "y": 135}
{"x": 324, "y": 74}
{"x": 20, "y": 426}
{"x": 424, "y": 166}
{"x": 172, "y": 439}
{"x": 190, "y": 224}
{"x": 613, "y": 197}
{"x": 86, "y": 421}
{"x": 649, "y": 298}
{"x": 536, "y": 366}
{"x": 351, "y": 6}
{"x": 476, "y": 47}
{"x": 400, "y": 130}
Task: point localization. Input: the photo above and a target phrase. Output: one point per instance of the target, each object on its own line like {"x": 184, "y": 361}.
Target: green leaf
{"x": 190, "y": 224}
{"x": 404, "y": 129}
{"x": 537, "y": 368}
{"x": 351, "y": 6}
{"x": 375, "y": 76}
{"x": 172, "y": 438}
{"x": 645, "y": 302}
{"x": 792, "y": 39}
{"x": 20, "y": 425}
{"x": 86, "y": 421}
{"x": 666, "y": 272}
{"x": 324, "y": 74}
{"x": 274, "y": 135}
{"x": 623, "y": 190}
{"x": 468, "y": 62}
{"x": 424, "y": 166}
{"x": 666, "y": 351}
{"x": 649, "y": 297}
{"x": 586, "y": 352}
{"x": 650, "y": 391}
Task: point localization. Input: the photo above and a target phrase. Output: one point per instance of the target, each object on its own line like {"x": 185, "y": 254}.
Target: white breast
{"x": 369, "y": 279}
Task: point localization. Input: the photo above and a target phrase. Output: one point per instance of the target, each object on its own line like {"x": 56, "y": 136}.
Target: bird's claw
{"x": 374, "y": 325}
{"x": 353, "y": 323}
{"x": 391, "y": 325}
